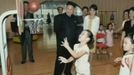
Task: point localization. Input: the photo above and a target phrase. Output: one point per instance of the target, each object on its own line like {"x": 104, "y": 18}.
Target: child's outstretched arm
{"x": 64, "y": 60}
{"x": 72, "y": 52}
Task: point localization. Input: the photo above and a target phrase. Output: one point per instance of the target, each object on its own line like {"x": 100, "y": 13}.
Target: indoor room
{"x": 67, "y": 37}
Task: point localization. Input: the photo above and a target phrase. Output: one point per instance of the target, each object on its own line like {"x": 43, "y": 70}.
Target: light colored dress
{"x": 82, "y": 64}
{"x": 109, "y": 38}
{"x": 124, "y": 69}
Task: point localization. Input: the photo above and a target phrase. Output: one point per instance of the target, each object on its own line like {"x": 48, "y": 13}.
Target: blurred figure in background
{"x": 85, "y": 11}
{"x": 128, "y": 26}
{"x": 60, "y": 10}
{"x": 26, "y": 36}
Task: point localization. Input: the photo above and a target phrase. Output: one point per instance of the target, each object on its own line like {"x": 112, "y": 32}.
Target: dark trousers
{"x": 62, "y": 67}
{"x": 26, "y": 44}
{"x": 61, "y": 51}
{"x": 79, "y": 30}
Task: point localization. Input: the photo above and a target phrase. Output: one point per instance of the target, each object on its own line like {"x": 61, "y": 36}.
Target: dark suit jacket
{"x": 26, "y": 32}
{"x": 65, "y": 26}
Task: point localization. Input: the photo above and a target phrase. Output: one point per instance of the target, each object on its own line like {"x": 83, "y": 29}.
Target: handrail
{"x": 3, "y": 42}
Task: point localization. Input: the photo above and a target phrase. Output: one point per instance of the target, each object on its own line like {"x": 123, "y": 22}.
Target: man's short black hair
{"x": 71, "y": 3}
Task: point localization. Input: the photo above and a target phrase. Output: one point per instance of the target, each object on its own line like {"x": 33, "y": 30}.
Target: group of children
{"x": 105, "y": 37}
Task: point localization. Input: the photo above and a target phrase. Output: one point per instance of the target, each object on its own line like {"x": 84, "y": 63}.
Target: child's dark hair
{"x": 109, "y": 25}
{"x": 91, "y": 41}
{"x": 131, "y": 36}
{"x": 100, "y": 26}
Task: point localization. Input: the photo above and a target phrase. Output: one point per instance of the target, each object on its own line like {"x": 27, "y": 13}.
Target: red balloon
{"x": 34, "y": 5}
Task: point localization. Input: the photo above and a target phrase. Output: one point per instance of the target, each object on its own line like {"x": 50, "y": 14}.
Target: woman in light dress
{"x": 92, "y": 22}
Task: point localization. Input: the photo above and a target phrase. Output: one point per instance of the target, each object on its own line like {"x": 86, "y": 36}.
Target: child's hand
{"x": 65, "y": 43}
{"x": 118, "y": 59}
{"x": 62, "y": 59}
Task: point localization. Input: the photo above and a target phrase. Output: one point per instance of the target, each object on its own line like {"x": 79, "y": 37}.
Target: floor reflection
{"x": 50, "y": 31}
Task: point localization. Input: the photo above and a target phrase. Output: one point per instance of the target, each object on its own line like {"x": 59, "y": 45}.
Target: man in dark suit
{"x": 65, "y": 26}
{"x": 26, "y": 37}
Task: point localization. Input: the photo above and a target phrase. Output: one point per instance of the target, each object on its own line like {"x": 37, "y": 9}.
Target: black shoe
{"x": 23, "y": 62}
{"x": 32, "y": 60}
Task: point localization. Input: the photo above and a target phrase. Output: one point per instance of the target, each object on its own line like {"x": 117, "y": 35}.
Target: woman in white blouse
{"x": 92, "y": 22}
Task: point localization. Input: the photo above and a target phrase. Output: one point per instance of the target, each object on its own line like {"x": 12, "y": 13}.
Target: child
{"x": 127, "y": 60}
{"x": 101, "y": 41}
{"x": 101, "y": 35}
{"x": 109, "y": 36}
{"x": 80, "y": 53}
